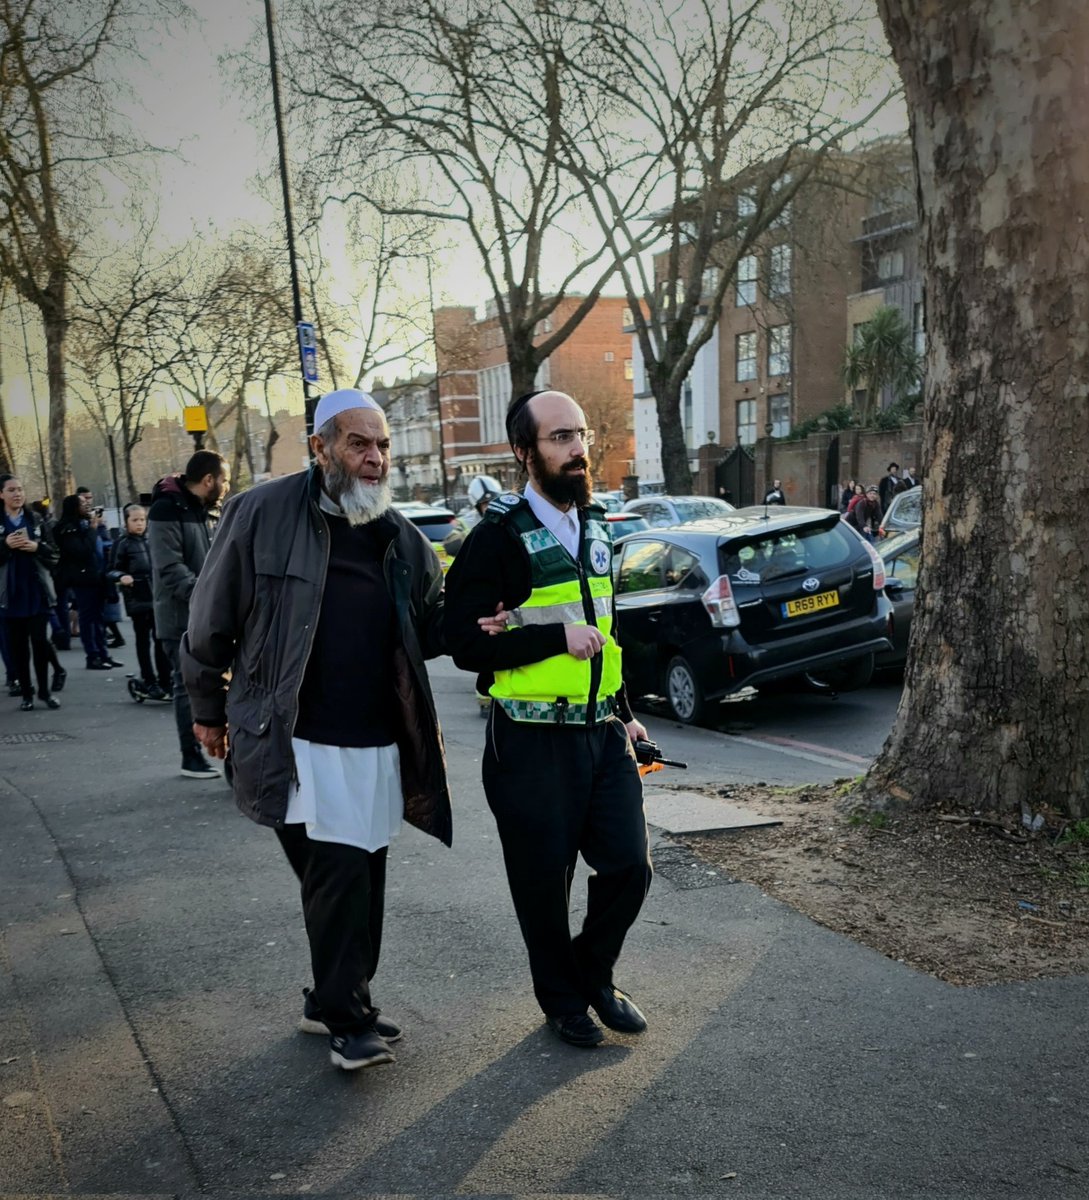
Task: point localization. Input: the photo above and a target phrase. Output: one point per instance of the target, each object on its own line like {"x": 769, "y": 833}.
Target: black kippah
{"x": 514, "y": 408}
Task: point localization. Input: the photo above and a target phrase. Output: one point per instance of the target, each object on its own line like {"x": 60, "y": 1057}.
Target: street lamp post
{"x": 289, "y": 220}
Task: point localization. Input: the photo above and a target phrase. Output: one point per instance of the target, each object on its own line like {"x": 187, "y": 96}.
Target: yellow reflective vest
{"x": 562, "y": 689}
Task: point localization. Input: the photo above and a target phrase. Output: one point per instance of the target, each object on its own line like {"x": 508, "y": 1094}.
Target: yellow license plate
{"x": 810, "y": 604}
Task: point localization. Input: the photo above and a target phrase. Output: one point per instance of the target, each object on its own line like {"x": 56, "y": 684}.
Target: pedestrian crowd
{"x": 864, "y": 507}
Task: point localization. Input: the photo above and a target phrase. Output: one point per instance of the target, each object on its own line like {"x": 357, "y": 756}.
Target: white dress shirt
{"x": 564, "y": 526}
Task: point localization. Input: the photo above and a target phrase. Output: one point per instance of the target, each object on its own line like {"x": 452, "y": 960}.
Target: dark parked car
{"x": 433, "y": 522}
{"x": 900, "y": 553}
{"x": 904, "y": 513}
{"x": 748, "y": 599}
{"x": 622, "y": 523}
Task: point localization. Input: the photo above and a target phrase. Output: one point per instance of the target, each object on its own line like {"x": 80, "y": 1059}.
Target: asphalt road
{"x": 152, "y": 959}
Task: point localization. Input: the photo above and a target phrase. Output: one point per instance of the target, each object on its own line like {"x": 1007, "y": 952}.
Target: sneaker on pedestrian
{"x": 196, "y": 766}
{"x": 15, "y": 688}
{"x": 112, "y": 662}
{"x": 312, "y": 1021}
{"x": 98, "y": 664}
{"x": 354, "y": 1051}
{"x": 60, "y": 677}
{"x": 154, "y": 692}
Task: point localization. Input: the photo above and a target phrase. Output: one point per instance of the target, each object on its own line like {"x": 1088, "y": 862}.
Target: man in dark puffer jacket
{"x": 179, "y": 536}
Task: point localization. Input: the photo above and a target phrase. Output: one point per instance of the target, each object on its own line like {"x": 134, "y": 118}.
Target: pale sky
{"x": 185, "y": 101}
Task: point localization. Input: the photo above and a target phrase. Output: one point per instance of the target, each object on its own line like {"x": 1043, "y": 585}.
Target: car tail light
{"x": 878, "y": 566}
{"x": 720, "y": 604}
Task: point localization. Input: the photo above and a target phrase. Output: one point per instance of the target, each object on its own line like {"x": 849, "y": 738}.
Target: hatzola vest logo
{"x": 510, "y": 499}
{"x": 600, "y": 557}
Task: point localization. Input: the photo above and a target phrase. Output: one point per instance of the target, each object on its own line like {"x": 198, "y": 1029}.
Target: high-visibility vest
{"x": 561, "y": 689}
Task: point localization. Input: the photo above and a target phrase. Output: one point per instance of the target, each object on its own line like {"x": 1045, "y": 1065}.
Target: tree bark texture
{"x": 54, "y": 310}
{"x": 995, "y": 710}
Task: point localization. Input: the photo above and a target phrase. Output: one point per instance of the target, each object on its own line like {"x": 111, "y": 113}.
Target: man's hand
{"x": 213, "y": 738}
{"x": 495, "y": 624}
{"x": 583, "y": 641}
{"x": 19, "y": 541}
{"x": 637, "y": 731}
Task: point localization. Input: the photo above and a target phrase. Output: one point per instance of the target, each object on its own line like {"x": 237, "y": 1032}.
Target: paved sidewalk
{"x": 151, "y": 965}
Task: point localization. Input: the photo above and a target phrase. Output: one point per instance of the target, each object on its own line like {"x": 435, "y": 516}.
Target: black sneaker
{"x": 112, "y": 662}
{"x": 60, "y": 677}
{"x": 576, "y": 1029}
{"x": 196, "y": 766}
{"x": 154, "y": 692}
{"x": 98, "y": 664}
{"x": 357, "y": 1050}
{"x": 312, "y": 1022}
{"x": 15, "y": 688}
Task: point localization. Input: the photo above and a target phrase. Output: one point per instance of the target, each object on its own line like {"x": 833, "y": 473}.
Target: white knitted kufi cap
{"x": 332, "y": 404}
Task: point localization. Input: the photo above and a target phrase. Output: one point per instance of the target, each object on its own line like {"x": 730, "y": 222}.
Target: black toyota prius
{"x": 750, "y": 598}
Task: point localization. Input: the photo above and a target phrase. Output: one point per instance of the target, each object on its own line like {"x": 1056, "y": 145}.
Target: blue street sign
{"x": 308, "y": 352}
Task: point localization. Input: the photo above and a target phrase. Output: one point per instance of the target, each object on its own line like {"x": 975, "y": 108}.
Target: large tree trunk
{"x": 995, "y": 711}
{"x": 675, "y": 470}
{"x": 54, "y": 310}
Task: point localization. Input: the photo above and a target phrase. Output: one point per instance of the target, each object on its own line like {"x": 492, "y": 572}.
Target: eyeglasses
{"x": 564, "y": 437}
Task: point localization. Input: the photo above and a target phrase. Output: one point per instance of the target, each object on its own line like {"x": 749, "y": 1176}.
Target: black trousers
{"x": 343, "y": 898}
{"x": 143, "y": 633}
{"x": 183, "y": 713}
{"x": 557, "y": 792}
{"x": 27, "y": 635}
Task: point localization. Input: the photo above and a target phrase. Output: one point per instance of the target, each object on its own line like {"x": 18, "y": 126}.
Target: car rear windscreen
{"x": 434, "y": 528}
{"x": 696, "y": 510}
{"x": 787, "y": 553}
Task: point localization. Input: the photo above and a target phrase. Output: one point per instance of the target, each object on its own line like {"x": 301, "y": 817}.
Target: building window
{"x": 609, "y": 356}
{"x": 493, "y": 387}
{"x": 779, "y": 275}
{"x": 746, "y": 280}
{"x": 858, "y": 331}
{"x": 746, "y": 206}
{"x": 746, "y": 422}
{"x": 890, "y": 265}
{"x": 629, "y": 369}
{"x": 745, "y": 350}
{"x": 918, "y": 328}
{"x": 779, "y": 350}
{"x": 626, "y": 318}
{"x": 709, "y": 283}
{"x": 779, "y": 414}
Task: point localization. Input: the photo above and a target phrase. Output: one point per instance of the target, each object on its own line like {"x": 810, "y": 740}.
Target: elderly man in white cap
{"x": 304, "y": 662}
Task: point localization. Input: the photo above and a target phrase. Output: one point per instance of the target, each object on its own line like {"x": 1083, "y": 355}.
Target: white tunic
{"x": 347, "y": 794}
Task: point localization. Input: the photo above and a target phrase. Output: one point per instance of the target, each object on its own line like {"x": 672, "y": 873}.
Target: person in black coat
{"x": 82, "y": 567}
{"x": 131, "y": 570}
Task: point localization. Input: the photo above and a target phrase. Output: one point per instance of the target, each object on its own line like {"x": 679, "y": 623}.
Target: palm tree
{"x": 883, "y": 356}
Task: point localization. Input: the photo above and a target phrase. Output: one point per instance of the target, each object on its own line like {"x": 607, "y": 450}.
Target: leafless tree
{"x": 124, "y": 341}
{"x": 707, "y": 118}
{"x": 239, "y": 334}
{"x": 58, "y": 133}
{"x": 461, "y": 105}
{"x": 995, "y": 713}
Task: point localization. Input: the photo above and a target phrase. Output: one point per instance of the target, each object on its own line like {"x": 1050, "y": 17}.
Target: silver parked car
{"x": 662, "y": 511}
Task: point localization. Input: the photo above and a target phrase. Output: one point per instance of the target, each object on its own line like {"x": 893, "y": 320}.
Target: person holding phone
{"x": 26, "y": 592}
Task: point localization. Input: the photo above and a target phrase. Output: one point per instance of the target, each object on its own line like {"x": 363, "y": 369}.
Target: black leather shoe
{"x": 578, "y": 1029}
{"x": 617, "y": 1010}
{"x": 49, "y": 701}
{"x": 60, "y": 677}
{"x": 27, "y": 705}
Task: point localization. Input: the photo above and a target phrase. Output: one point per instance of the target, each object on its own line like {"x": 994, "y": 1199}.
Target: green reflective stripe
{"x": 561, "y": 614}
{"x": 548, "y": 712}
{"x": 537, "y": 540}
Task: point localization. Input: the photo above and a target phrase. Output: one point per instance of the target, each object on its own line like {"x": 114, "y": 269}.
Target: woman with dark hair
{"x": 82, "y": 568}
{"x": 26, "y": 592}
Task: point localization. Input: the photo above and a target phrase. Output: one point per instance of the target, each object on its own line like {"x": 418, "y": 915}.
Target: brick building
{"x": 593, "y": 365}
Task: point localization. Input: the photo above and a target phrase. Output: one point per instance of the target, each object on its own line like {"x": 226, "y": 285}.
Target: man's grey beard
{"x": 360, "y": 502}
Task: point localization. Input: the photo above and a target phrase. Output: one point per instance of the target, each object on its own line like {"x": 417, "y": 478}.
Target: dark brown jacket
{"x": 252, "y": 617}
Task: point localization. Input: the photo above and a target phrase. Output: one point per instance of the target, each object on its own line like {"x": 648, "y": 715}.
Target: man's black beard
{"x": 562, "y": 487}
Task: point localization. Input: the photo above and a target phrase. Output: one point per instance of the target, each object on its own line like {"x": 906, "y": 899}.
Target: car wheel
{"x": 683, "y": 691}
{"x": 845, "y": 677}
